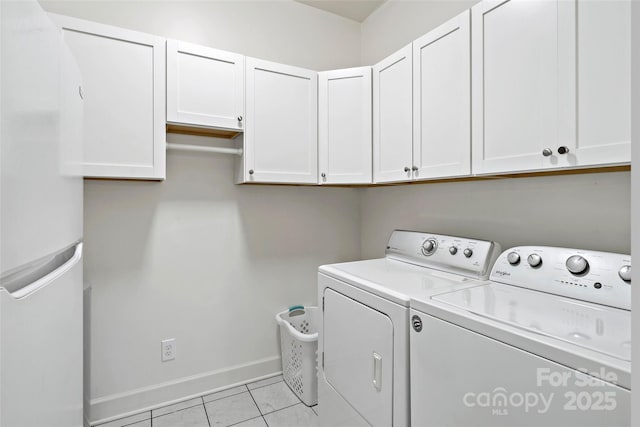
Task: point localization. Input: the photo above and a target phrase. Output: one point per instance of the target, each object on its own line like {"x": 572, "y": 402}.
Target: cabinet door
{"x": 441, "y": 101}
{"x": 392, "y": 117}
{"x": 523, "y": 80}
{"x": 281, "y": 136}
{"x": 205, "y": 87}
{"x": 344, "y": 126}
{"x": 124, "y": 92}
{"x": 604, "y": 82}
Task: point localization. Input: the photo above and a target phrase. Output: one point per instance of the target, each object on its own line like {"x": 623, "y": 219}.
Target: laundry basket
{"x": 299, "y": 345}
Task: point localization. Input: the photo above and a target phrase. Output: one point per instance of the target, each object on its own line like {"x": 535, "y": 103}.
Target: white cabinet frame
{"x": 392, "y": 117}
{"x": 442, "y": 101}
{"x": 205, "y": 86}
{"x": 112, "y": 138}
{"x": 344, "y": 126}
{"x": 281, "y": 134}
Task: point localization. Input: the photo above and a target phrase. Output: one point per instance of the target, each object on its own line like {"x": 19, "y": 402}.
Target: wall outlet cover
{"x": 168, "y": 349}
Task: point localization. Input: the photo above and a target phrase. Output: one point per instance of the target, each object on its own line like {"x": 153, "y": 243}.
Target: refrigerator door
{"x": 40, "y": 132}
{"x": 41, "y": 342}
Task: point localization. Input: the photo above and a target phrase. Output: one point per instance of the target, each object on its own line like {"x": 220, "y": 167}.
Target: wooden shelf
{"x": 198, "y": 131}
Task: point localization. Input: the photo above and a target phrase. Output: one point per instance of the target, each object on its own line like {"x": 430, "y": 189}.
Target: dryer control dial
{"x": 625, "y": 273}
{"x": 468, "y": 252}
{"x": 429, "y": 247}
{"x": 453, "y": 250}
{"x": 513, "y": 258}
{"x": 577, "y": 264}
{"x": 534, "y": 260}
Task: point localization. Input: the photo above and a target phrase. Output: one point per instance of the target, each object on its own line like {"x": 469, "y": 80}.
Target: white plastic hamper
{"x": 299, "y": 345}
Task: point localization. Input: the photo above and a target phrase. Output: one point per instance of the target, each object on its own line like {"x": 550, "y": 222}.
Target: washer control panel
{"x": 599, "y": 277}
{"x": 461, "y": 255}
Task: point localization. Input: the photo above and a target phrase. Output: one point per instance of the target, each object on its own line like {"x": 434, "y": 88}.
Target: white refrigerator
{"x": 40, "y": 223}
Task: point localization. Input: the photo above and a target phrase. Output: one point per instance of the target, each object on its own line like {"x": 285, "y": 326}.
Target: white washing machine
{"x": 363, "y": 346}
{"x": 547, "y": 342}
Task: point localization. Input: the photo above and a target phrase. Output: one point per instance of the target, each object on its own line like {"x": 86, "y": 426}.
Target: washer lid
{"x": 396, "y": 281}
{"x": 595, "y": 327}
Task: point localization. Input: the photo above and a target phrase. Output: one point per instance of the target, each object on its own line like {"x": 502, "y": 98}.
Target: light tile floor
{"x": 265, "y": 403}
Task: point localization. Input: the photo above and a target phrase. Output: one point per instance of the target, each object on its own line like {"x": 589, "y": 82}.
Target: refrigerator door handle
{"x": 38, "y": 275}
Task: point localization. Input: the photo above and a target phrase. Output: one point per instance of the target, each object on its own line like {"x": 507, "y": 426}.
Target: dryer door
{"x": 358, "y": 356}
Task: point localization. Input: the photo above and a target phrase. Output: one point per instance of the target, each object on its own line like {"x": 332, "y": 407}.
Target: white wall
{"x": 399, "y": 22}
{"x": 204, "y": 261}
{"x": 278, "y": 30}
{"x": 197, "y": 258}
{"x": 587, "y": 211}
{"x": 590, "y": 211}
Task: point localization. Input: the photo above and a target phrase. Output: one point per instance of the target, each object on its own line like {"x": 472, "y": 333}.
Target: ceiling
{"x": 358, "y": 10}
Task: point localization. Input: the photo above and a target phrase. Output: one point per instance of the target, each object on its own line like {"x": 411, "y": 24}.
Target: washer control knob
{"x": 577, "y": 264}
{"x": 468, "y": 252}
{"x": 453, "y": 250}
{"x": 625, "y": 273}
{"x": 429, "y": 247}
{"x": 513, "y": 258}
{"x": 534, "y": 260}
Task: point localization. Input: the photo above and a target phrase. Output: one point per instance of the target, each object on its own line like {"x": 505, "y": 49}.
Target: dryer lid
{"x": 396, "y": 281}
{"x": 598, "y": 328}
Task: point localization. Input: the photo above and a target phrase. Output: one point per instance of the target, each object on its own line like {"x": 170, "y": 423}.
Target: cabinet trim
{"x": 362, "y": 172}
{"x": 156, "y": 170}
{"x": 175, "y": 115}
{"x": 459, "y": 27}
{"x": 308, "y": 174}
{"x": 398, "y": 174}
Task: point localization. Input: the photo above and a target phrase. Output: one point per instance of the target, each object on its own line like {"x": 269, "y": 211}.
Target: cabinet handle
{"x": 324, "y": 175}
{"x": 80, "y": 92}
{"x": 239, "y": 118}
{"x": 563, "y": 150}
{"x": 250, "y": 171}
{"x": 377, "y": 371}
{"x": 547, "y": 152}
{"x": 406, "y": 169}
{"x": 414, "y": 168}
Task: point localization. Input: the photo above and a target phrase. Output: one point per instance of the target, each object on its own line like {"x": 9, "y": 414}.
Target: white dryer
{"x": 547, "y": 342}
{"x": 363, "y": 347}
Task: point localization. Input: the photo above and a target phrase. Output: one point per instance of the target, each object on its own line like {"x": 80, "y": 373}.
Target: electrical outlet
{"x": 168, "y": 349}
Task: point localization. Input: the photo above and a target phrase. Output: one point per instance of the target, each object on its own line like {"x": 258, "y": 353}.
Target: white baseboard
{"x": 112, "y": 407}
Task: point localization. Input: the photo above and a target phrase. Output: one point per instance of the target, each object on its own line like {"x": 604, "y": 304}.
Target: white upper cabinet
{"x": 392, "y": 117}
{"x": 124, "y": 98}
{"x": 344, "y": 126}
{"x": 551, "y": 84}
{"x": 281, "y": 134}
{"x": 205, "y": 86}
{"x": 604, "y": 82}
{"x": 523, "y": 80}
{"x": 441, "y": 101}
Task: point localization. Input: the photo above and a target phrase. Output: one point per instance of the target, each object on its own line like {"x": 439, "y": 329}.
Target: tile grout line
{"x": 177, "y": 410}
{"x": 283, "y": 408}
{"x": 247, "y": 389}
{"x": 263, "y": 386}
{"x": 129, "y": 424}
{"x": 256, "y": 403}
{"x": 224, "y": 397}
{"x": 240, "y": 422}
{"x": 205, "y": 411}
